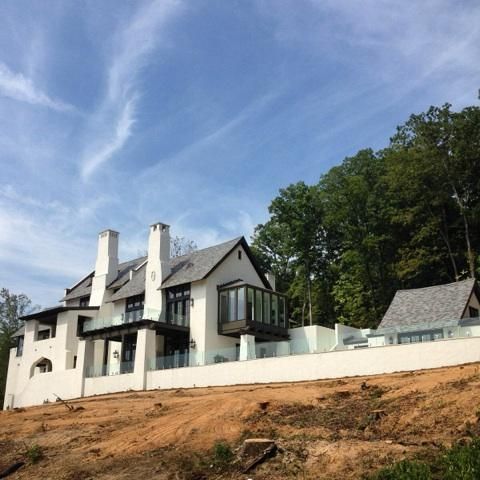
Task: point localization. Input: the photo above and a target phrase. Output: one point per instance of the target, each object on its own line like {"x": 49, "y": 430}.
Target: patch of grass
{"x": 222, "y": 453}
{"x": 462, "y": 462}
{"x": 34, "y": 453}
{"x": 404, "y": 470}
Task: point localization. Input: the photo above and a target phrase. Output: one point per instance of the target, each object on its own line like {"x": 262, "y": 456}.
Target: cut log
{"x": 11, "y": 469}
{"x": 268, "y": 452}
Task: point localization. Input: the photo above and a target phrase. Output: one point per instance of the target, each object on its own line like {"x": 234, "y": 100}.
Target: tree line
{"x": 406, "y": 216}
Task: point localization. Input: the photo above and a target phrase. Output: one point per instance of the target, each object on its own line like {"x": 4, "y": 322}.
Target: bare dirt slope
{"x": 344, "y": 428}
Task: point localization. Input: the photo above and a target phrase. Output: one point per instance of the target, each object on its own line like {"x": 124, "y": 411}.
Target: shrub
{"x": 462, "y": 462}
{"x": 404, "y": 470}
{"x": 222, "y": 452}
{"x": 34, "y": 453}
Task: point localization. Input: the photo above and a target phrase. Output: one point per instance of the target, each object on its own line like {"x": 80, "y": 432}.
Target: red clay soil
{"x": 340, "y": 429}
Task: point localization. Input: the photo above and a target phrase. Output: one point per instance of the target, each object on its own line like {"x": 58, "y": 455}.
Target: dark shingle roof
{"x": 197, "y": 264}
{"x": 438, "y": 305}
{"x": 184, "y": 269}
{"x": 82, "y": 289}
{"x": 132, "y": 287}
{"x": 123, "y": 272}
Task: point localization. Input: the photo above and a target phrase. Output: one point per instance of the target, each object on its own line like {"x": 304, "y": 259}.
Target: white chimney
{"x": 106, "y": 265}
{"x": 158, "y": 264}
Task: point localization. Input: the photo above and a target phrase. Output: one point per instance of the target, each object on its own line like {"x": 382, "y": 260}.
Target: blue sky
{"x": 118, "y": 114}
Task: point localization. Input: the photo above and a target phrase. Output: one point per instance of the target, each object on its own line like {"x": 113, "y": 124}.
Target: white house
{"x": 154, "y": 312}
{"x": 161, "y": 322}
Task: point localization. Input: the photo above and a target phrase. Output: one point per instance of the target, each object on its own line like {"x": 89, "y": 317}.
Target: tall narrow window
{"x": 274, "y": 310}
{"x": 241, "y": 303}
{"x": 250, "y": 304}
{"x": 266, "y": 307}
{"x": 223, "y": 307}
{"x": 232, "y": 314}
{"x": 281, "y": 311}
{"x": 258, "y": 306}
{"x": 20, "y": 340}
{"x": 178, "y": 305}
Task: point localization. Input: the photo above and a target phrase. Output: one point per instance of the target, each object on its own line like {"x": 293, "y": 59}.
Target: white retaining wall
{"x": 313, "y": 366}
{"x": 344, "y": 363}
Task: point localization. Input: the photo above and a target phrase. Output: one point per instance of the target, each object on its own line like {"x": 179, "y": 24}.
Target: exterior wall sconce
{"x": 116, "y": 354}
{"x": 193, "y": 344}
{"x": 192, "y": 302}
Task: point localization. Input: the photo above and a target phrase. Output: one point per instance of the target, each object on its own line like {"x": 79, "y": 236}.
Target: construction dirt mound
{"x": 331, "y": 429}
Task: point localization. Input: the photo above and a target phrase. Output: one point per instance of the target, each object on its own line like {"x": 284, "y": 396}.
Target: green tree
{"x": 293, "y": 243}
{"x": 12, "y": 307}
{"x": 446, "y": 149}
{"x": 356, "y": 213}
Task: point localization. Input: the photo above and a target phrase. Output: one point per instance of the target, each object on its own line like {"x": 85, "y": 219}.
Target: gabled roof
{"x": 437, "y": 305}
{"x": 82, "y": 289}
{"x": 132, "y": 287}
{"x": 198, "y": 264}
{"x": 192, "y": 267}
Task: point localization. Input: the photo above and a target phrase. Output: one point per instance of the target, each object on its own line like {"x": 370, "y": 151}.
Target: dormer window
{"x": 84, "y": 301}
{"x": 134, "y": 308}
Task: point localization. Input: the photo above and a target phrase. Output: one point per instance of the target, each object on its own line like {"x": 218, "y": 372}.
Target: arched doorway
{"x": 43, "y": 365}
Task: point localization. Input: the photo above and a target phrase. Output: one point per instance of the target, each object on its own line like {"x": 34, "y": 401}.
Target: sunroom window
{"x": 252, "y": 304}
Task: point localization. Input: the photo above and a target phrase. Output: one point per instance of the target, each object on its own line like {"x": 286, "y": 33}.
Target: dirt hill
{"x": 345, "y": 428}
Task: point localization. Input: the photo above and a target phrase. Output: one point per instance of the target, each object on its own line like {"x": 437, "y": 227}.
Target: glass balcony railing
{"x": 117, "y": 320}
{"x": 171, "y": 318}
{"x": 106, "y": 370}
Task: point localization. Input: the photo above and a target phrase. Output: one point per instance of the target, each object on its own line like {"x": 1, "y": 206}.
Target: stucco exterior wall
{"x": 313, "y": 339}
{"x": 60, "y": 350}
{"x": 313, "y": 366}
{"x": 232, "y": 268}
{"x": 335, "y": 364}
{"x": 110, "y": 384}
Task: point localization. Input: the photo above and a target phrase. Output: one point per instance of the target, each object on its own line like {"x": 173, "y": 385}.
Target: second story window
{"x": 84, "y": 301}
{"x": 134, "y": 308}
{"x": 20, "y": 340}
{"x": 43, "y": 335}
{"x": 178, "y": 305}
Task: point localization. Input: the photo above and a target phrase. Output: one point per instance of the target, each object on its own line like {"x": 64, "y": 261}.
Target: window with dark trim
{"x": 43, "y": 335}
{"x": 20, "y": 341}
{"x": 84, "y": 301}
{"x": 134, "y": 308}
{"x": 473, "y": 312}
{"x": 253, "y": 304}
{"x": 178, "y": 305}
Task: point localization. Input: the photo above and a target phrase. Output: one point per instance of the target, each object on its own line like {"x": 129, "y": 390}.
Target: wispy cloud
{"x": 133, "y": 45}
{"x": 109, "y": 146}
{"x": 18, "y": 87}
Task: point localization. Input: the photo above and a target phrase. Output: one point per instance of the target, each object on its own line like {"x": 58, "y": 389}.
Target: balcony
{"x": 107, "y": 323}
{"x": 172, "y": 322}
{"x": 245, "y": 309}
